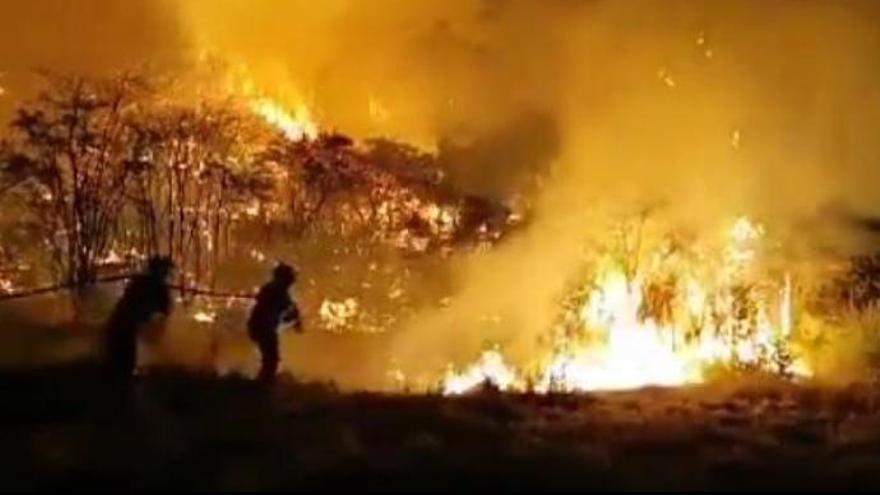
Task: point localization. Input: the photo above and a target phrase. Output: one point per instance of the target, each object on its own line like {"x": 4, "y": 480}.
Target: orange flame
{"x": 296, "y": 125}
{"x": 630, "y": 350}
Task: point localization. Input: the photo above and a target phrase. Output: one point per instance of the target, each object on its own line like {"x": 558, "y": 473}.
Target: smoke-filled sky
{"x": 81, "y": 36}
{"x": 710, "y": 107}
{"x": 767, "y": 102}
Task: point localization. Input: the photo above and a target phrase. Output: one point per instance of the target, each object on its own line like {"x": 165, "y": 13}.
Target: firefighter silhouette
{"x": 274, "y": 309}
{"x": 145, "y": 296}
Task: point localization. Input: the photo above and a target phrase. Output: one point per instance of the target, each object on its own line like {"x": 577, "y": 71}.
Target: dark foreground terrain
{"x": 62, "y": 428}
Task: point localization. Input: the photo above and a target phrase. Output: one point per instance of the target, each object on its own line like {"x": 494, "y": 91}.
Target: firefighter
{"x": 274, "y": 309}
{"x": 146, "y": 296}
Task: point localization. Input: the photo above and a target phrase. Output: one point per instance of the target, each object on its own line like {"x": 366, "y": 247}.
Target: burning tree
{"x": 194, "y": 175}
{"x": 379, "y": 191}
{"x": 68, "y": 161}
{"x": 113, "y": 170}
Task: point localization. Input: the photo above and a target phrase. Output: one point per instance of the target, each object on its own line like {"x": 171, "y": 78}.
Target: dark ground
{"x": 62, "y": 428}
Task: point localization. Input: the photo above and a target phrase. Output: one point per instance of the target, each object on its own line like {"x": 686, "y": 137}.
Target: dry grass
{"x": 63, "y": 427}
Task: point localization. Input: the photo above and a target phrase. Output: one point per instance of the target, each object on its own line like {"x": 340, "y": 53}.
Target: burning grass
{"x": 190, "y": 429}
{"x": 662, "y": 314}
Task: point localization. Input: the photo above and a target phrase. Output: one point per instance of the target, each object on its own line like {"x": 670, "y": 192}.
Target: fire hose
{"x": 197, "y": 291}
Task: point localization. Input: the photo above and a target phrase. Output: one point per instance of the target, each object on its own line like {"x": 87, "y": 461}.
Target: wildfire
{"x": 643, "y": 329}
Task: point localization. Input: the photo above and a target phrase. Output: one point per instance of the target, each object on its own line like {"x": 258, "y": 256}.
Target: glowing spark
{"x": 205, "y": 316}
{"x": 664, "y": 76}
{"x": 735, "y": 139}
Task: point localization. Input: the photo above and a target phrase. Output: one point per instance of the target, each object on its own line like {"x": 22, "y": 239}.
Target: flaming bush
{"x": 664, "y": 320}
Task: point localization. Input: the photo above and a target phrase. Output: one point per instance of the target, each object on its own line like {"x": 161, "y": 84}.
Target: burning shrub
{"x": 657, "y": 317}
{"x": 69, "y": 165}
{"x": 382, "y": 190}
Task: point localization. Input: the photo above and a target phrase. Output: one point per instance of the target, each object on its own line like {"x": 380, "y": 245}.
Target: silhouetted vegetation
{"x": 109, "y": 171}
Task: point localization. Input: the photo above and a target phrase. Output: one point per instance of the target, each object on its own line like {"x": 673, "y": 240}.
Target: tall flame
{"x": 633, "y": 353}
{"x": 295, "y": 121}
{"x": 296, "y": 125}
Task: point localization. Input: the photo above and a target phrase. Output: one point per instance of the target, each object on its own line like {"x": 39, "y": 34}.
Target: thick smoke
{"x": 642, "y": 93}
{"x": 701, "y": 110}
{"x": 85, "y": 36}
